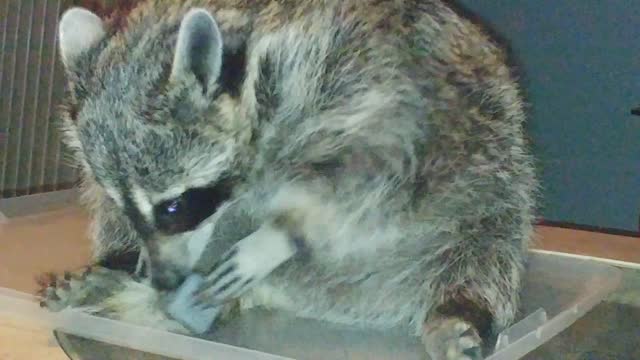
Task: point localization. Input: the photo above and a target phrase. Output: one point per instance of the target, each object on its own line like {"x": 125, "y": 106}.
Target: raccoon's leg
{"x": 477, "y": 293}
{"x": 249, "y": 261}
{"x": 283, "y": 236}
{"x": 453, "y": 333}
{"x": 107, "y": 293}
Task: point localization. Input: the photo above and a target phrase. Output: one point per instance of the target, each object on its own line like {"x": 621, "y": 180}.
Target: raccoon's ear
{"x": 79, "y": 30}
{"x": 198, "y": 49}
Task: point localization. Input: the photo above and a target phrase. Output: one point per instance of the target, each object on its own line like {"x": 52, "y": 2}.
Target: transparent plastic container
{"x": 558, "y": 291}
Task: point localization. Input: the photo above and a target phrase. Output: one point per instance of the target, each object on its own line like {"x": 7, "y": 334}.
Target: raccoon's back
{"x": 423, "y": 85}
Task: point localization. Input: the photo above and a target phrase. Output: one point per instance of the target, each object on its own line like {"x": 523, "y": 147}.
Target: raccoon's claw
{"x": 249, "y": 261}
{"x": 452, "y": 339}
{"x": 226, "y": 281}
{"x": 72, "y": 290}
{"x": 55, "y": 291}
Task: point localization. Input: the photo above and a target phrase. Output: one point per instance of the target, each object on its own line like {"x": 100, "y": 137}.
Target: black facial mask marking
{"x": 187, "y": 211}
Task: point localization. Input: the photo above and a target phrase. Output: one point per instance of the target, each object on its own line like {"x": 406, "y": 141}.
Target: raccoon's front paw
{"x": 88, "y": 288}
{"x": 248, "y": 261}
{"x": 231, "y": 277}
{"x": 450, "y": 338}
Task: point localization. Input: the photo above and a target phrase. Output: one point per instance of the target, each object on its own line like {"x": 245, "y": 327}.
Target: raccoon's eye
{"x": 173, "y": 207}
{"x": 188, "y": 210}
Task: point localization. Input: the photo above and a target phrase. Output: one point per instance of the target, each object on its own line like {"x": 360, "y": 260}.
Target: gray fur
{"x": 388, "y": 133}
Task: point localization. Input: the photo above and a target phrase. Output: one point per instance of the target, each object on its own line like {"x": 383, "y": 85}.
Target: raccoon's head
{"x": 153, "y": 124}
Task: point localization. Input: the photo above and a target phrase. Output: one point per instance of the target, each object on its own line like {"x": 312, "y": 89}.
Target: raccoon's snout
{"x": 167, "y": 279}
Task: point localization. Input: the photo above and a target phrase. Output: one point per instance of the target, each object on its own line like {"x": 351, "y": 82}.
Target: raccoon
{"x": 361, "y": 162}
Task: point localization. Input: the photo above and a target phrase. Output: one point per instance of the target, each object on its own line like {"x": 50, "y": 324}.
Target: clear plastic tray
{"x": 558, "y": 291}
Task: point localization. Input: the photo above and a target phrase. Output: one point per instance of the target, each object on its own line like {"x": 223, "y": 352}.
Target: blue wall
{"x": 581, "y": 67}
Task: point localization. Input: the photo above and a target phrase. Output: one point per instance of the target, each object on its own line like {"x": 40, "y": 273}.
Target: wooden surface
{"x": 57, "y": 241}
{"x": 606, "y": 246}
{"x": 30, "y": 246}
{"x": 20, "y": 342}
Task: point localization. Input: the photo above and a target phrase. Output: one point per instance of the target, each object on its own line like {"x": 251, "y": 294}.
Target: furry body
{"x": 378, "y": 144}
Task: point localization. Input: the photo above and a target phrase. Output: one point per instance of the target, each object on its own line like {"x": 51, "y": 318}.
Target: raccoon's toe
{"x": 47, "y": 291}
{"x": 54, "y": 292}
{"x": 245, "y": 264}
{"x": 452, "y": 339}
{"x": 77, "y": 289}
{"x": 228, "y": 280}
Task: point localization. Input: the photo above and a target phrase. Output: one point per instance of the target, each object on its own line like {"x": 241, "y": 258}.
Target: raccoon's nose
{"x": 167, "y": 280}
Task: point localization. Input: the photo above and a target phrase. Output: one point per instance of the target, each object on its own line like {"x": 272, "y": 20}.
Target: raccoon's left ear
{"x": 198, "y": 49}
{"x": 78, "y": 31}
